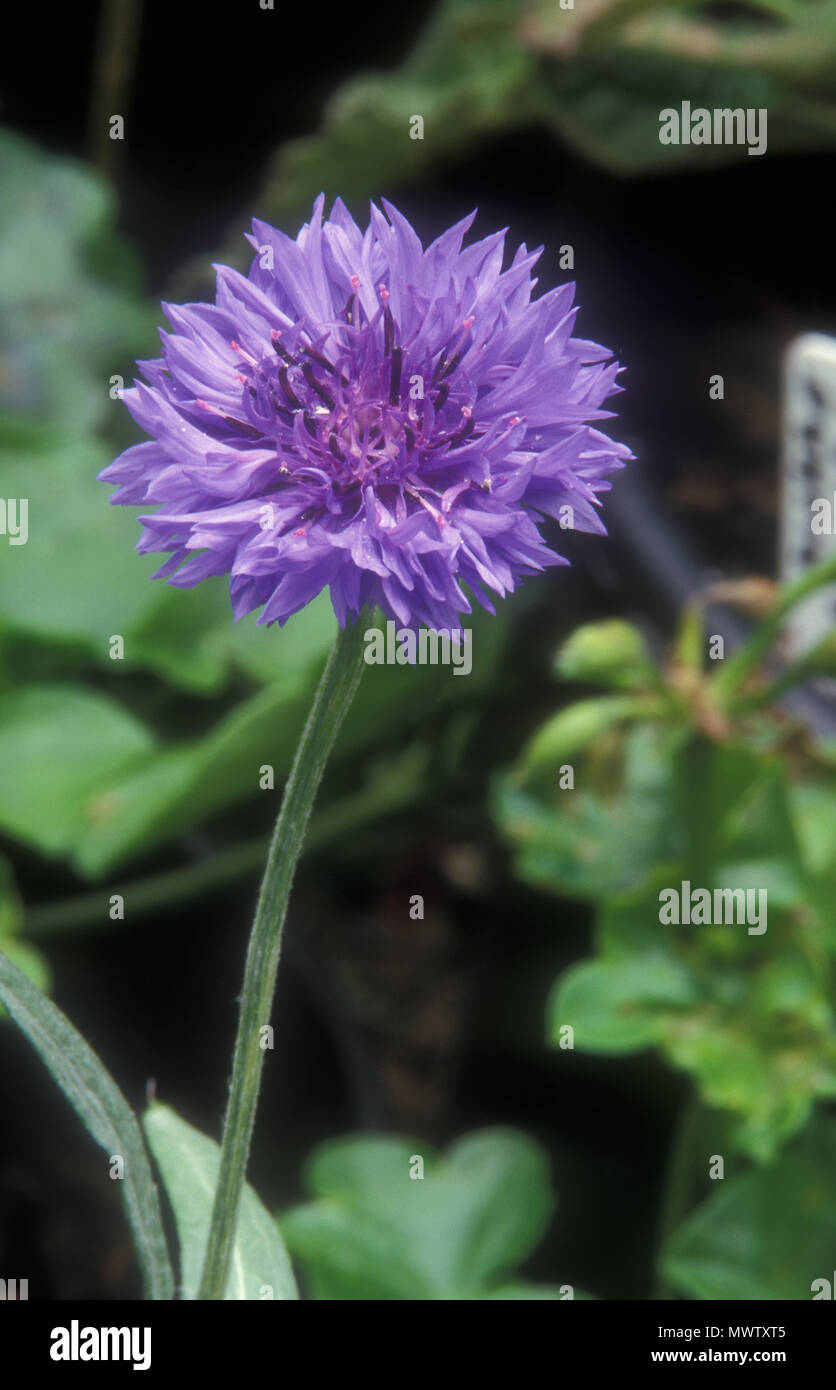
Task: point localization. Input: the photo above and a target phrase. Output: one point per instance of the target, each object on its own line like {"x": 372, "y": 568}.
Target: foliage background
{"x": 140, "y": 777}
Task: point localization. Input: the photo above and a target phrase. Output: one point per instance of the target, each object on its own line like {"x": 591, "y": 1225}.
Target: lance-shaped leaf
{"x": 188, "y": 1161}
{"x": 103, "y": 1110}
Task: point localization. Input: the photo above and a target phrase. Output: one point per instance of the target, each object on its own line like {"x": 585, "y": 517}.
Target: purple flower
{"x": 365, "y": 414}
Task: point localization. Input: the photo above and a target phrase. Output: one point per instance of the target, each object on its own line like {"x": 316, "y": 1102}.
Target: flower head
{"x": 362, "y": 413}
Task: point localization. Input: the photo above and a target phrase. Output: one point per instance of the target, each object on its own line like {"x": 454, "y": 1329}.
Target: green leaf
{"x": 103, "y": 1111}
{"x": 59, "y": 747}
{"x": 767, "y": 1234}
{"x": 19, "y": 952}
{"x": 69, "y": 314}
{"x": 189, "y": 1162}
{"x": 618, "y": 1006}
{"x": 710, "y": 779}
{"x": 587, "y": 843}
{"x": 71, "y": 532}
{"x": 185, "y": 636}
{"x": 180, "y": 786}
{"x": 373, "y": 1231}
{"x": 609, "y": 69}
{"x": 574, "y": 728}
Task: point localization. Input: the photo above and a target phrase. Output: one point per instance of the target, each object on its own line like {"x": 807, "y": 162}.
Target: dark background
{"x": 684, "y": 276}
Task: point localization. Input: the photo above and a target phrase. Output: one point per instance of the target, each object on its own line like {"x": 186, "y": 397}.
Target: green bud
{"x": 610, "y": 653}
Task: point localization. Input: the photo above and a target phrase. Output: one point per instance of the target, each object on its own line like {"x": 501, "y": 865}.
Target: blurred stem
{"x": 679, "y": 1187}
{"x": 115, "y": 54}
{"x": 334, "y": 695}
{"x": 730, "y": 681}
{"x": 386, "y": 792}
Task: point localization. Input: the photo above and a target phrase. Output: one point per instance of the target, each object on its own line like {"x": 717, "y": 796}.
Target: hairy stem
{"x": 334, "y": 695}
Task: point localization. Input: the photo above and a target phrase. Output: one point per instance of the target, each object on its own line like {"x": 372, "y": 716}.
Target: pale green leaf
{"x": 188, "y": 1162}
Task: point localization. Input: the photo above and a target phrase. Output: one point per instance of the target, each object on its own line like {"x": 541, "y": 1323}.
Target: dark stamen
{"x": 410, "y": 438}
{"x": 316, "y": 385}
{"x": 249, "y": 430}
{"x": 348, "y": 311}
{"x": 462, "y": 432}
{"x": 443, "y": 393}
{"x": 289, "y": 393}
{"x": 439, "y": 367}
{"x": 332, "y": 445}
{"x": 395, "y": 376}
{"x": 321, "y": 359}
{"x": 310, "y": 425}
{"x": 388, "y": 330}
{"x": 452, "y": 364}
{"x": 283, "y": 352}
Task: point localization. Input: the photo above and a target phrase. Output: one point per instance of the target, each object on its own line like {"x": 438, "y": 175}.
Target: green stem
{"x": 733, "y": 674}
{"x": 333, "y": 697}
{"x": 680, "y": 1183}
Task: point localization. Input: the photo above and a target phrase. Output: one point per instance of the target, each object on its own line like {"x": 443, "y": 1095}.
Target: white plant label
{"x": 808, "y": 502}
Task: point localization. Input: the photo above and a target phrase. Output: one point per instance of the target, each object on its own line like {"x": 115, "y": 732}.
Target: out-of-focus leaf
{"x": 597, "y": 76}
{"x": 710, "y": 779}
{"x": 180, "y": 786}
{"x": 77, "y": 581}
{"x": 59, "y": 747}
{"x": 619, "y": 1006}
{"x": 376, "y": 1230}
{"x": 588, "y": 843}
{"x": 609, "y": 69}
{"x": 768, "y": 1234}
{"x": 19, "y": 952}
{"x": 70, "y": 317}
{"x": 574, "y": 728}
{"x": 189, "y": 1162}
{"x": 749, "y": 1017}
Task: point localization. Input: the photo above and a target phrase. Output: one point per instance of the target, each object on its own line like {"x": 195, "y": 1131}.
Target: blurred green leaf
{"x": 76, "y": 579}
{"x": 19, "y": 952}
{"x": 709, "y": 780}
{"x": 617, "y": 1006}
{"x": 597, "y": 76}
{"x": 767, "y": 1234}
{"x": 588, "y": 843}
{"x": 79, "y": 581}
{"x": 608, "y": 70}
{"x": 749, "y": 1014}
{"x": 189, "y": 1162}
{"x": 574, "y": 728}
{"x": 181, "y": 785}
{"x": 373, "y": 1231}
{"x": 70, "y": 317}
{"x": 749, "y": 1017}
{"x": 60, "y": 746}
